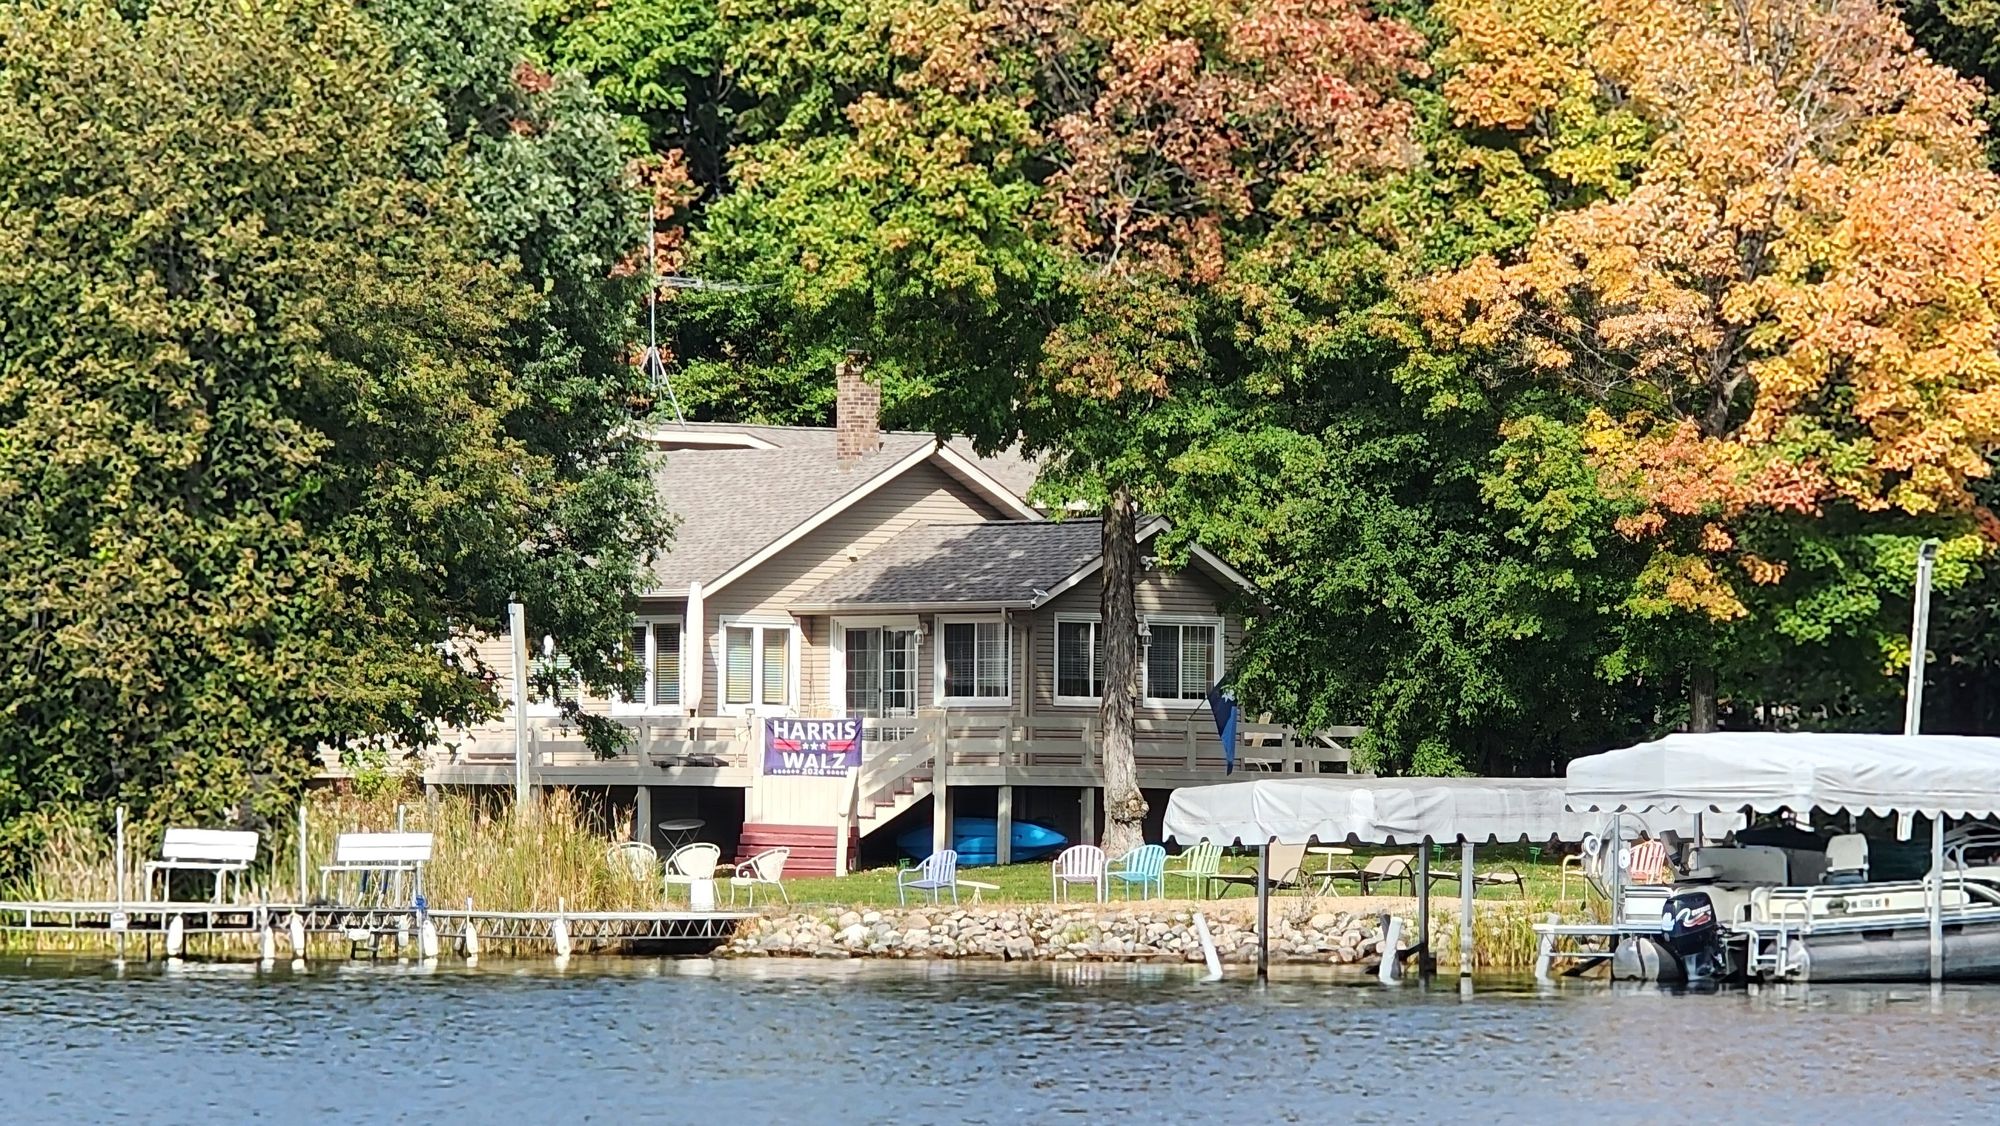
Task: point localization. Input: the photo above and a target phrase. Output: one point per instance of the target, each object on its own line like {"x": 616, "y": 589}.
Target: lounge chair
{"x": 1078, "y": 864}
{"x": 1199, "y": 866}
{"x": 689, "y": 863}
{"x": 1389, "y": 869}
{"x": 938, "y": 872}
{"x": 766, "y": 869}
{"x": 1287, "y": 871}
{"x": 1505, "y": 876}
{"x": 1144, "y": 866}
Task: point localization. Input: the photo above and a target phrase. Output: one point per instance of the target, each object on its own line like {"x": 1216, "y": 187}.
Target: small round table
{"x": 680, "y": 831}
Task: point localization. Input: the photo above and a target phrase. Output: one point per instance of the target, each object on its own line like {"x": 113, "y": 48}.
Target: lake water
{"x": 754, "y": 1042}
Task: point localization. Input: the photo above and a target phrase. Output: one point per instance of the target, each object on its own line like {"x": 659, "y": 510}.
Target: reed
{"x": 1503, "y": 934}
{"x": 555, "y": 854}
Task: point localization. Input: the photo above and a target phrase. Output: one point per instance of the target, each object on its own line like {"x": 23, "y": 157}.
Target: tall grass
{"x": 555, "y": 854}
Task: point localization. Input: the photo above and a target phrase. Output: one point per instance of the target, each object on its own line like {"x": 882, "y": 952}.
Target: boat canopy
{"x": 1297, "y": 810}
{"x": 1957, "y": 775}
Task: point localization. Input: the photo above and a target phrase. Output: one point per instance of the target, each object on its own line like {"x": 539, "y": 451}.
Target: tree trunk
{"x": 1124, "y": 806}
{"x": 1701, "y": 700}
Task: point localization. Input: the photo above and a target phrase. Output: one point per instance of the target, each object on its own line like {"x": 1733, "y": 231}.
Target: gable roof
{"x": 736, "y": 506}
{"x": 1010, "y": 468}
{"x": 1011, "y": 563}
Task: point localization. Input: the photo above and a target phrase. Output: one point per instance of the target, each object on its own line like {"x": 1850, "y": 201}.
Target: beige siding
{"x": 1188, "y": 592}
{"x": 924, "y": 494}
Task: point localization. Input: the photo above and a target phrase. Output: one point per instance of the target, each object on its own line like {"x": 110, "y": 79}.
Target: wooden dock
{"x": 164, "y": 928}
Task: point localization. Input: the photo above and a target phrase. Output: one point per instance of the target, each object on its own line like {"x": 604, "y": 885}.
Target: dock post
{"x": 940, "y": 788}
{"x": 1465, "y": 888}
{"x": 1426, "y": 965}
{"x": 1390, "y": 969}
{"x": 1003, "y": 825}
{"x": 302, "y": 852}
{"x": 119, "y": 879}
{"x": 1936, "y": 904}
{"x": 1545, "y": 952}
{"x": 1264, "y": 911}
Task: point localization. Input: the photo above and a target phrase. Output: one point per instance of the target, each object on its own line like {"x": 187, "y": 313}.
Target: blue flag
{"x": 1222, "y": 704}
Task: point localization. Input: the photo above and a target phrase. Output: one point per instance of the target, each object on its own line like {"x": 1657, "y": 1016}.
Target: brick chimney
{"x": 857, "y": 410}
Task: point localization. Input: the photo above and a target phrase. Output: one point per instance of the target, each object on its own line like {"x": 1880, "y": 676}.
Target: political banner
{"x": 812, "y": 748}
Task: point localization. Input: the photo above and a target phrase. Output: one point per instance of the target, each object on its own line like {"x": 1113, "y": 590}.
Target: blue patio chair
{"x": 938, "y": 872}
{"x": 1145, "y": 866}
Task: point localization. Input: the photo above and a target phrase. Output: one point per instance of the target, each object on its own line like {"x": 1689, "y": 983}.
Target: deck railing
{"x": 981, "y": 747}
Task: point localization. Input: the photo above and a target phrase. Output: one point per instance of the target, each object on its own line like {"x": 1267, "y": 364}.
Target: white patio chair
{"x": 691, "y": 862}
{"x": 1078, "y": 864}
{"x": 636, "y": 859}
{"x": 767, "y": 868}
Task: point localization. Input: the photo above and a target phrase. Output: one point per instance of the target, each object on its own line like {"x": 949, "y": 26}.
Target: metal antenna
{"x": 654, "y": 364}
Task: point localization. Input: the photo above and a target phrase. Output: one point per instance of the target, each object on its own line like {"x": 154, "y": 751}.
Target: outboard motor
{"x": 1691, "y": 932}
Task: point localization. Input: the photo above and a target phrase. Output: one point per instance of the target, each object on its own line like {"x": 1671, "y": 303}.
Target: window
{"x": 756, "y": 665}
{"x": 1079, "y": 660}
{"x": 1183, "y": 659}
{"x": 972, "y": 660}
{"x": 881, "y": 671}
{"x": 552, "y": 682}
{"x": 657, "y": 644}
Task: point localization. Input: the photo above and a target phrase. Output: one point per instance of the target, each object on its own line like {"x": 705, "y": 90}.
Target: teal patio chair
{"x": 1144, "y": 866}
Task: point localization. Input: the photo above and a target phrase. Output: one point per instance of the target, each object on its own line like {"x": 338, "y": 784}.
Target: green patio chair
{"x": 1199, "y": 865}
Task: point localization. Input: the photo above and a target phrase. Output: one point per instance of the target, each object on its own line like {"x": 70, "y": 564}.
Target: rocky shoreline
{"x": 1054, "y": 934}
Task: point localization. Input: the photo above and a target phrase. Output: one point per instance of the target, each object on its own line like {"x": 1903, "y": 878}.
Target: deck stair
{"x": 892, "y": 780}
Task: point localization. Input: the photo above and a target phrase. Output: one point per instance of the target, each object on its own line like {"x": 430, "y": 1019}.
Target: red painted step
{"x": 814, "y": 847}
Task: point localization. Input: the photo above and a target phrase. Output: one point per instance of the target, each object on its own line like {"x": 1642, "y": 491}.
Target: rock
{"x": 855, "y": 934}
{"x": 850, "y": 919}
{"x": 870, "y": 918}
{"x": 1324, "y": 922}
{"x": 917, "y": 921}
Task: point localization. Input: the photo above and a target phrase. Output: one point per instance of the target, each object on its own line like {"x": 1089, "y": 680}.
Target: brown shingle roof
{"x": 998, "y": 563}
{"x": 730, "y": 503}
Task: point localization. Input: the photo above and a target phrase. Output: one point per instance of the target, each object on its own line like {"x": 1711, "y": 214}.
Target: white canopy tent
{"x": 1955, "y": 775}
{"x": 1938, "y": 776}
{"x": 1298, "y": 810}
{"x": 1412, "y": 811}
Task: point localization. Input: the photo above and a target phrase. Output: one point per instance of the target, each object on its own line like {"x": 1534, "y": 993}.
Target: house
{"x": 848, "y": 572}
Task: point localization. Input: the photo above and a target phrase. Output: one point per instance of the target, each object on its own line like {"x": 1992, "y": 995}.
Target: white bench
{"x": 221, "y": 851}
{"x": 384, "y": 857}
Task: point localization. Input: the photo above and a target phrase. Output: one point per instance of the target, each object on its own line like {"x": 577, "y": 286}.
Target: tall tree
{"x": 1774, "y": 274}
{"x": 1062, "y": 184}
{"x": 264, "y": 395}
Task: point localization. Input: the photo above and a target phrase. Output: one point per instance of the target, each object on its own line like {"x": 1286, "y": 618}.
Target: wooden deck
{"x": 983, "y": 749}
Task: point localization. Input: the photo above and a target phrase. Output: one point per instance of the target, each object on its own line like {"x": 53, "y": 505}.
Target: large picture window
{"x": 1183, "y": 659}
{"x": 756, "y": 665}
{"x": 657, "y": 644}
{"x": 972, "y": 658}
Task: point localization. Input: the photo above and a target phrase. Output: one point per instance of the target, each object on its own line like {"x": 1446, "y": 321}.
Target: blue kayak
{"x": 975, "y": 840}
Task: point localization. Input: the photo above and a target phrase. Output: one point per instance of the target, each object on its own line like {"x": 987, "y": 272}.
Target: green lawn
{"x": 1029, "y": 882}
